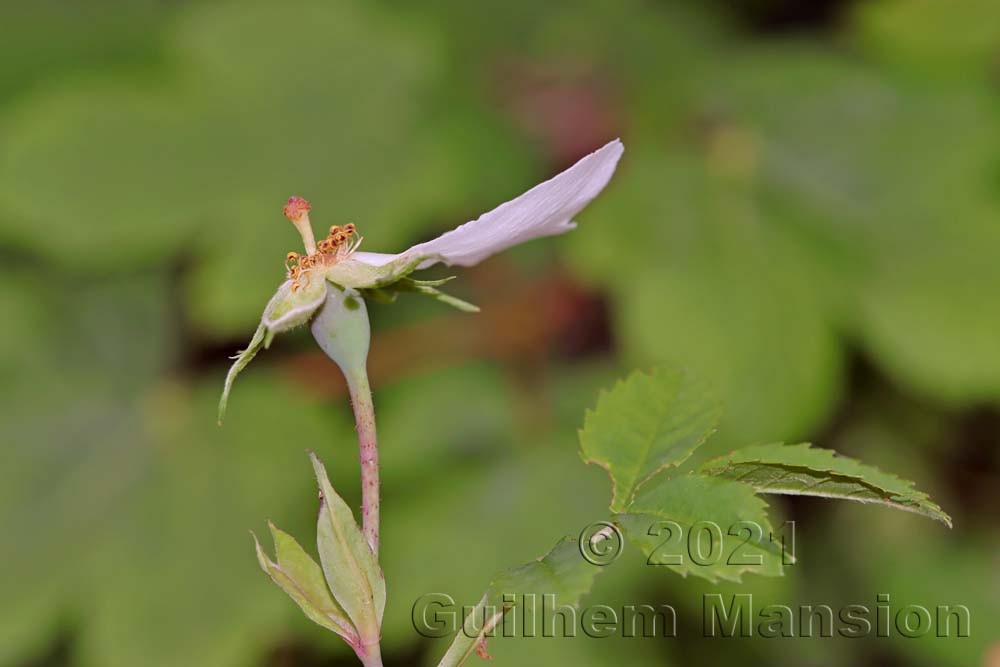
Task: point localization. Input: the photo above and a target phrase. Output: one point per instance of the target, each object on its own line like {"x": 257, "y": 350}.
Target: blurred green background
{"x": 807, "y": 215}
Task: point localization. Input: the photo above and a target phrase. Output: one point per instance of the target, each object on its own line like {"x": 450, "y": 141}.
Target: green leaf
{"x": 301, "y": 578}
{"x": 351, "y": 569}
{"x": 562, "y": 573}
{"x": 708, "y": 527}
{"x": 646, "y": 423}
{"x": 804, "y": 471}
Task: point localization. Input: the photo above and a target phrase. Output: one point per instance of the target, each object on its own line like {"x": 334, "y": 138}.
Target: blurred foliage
{"x": 791, "y": 201}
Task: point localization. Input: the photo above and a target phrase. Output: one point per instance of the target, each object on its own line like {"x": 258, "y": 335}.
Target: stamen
{"x": 338, "y": 245}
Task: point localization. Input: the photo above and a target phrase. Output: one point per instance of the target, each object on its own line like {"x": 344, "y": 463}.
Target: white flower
{"x": 545, "y": 210}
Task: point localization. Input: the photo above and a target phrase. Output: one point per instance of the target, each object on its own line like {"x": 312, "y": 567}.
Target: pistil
{"x": 297, "y": 210}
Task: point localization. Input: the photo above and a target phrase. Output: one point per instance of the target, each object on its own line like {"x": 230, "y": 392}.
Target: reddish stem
{"x": 364, "y": 418}
{"x": 369, "y": 656}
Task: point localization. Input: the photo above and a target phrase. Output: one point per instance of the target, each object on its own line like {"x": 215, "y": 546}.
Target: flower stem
{"x": 370, "y": 656}
{"x": 364, "y": 418}
{"x": 342, "y": 330}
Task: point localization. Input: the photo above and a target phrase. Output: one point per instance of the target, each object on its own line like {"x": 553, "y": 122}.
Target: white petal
{"x": 545, "y": 210}
{"x": 373, "y": 258}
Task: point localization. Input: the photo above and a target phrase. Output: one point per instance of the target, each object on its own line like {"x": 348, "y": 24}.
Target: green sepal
{"x": 448, "y": 299}
{"x": 242, "y": 359}
{"x": 351, "y": 569}
{"x": 289, "y": 307}
{"x": 429, "y": 288}
{"x": 296, "y": 573}
{"x": 430, "y": 283}
{"x": 361, "y": 275}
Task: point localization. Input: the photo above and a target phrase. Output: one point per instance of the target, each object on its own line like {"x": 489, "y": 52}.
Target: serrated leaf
{"x": 705, "y": 526}
{"x": 804, "y": 471}
{"x": 351, "y": 570}
{"x": 563, "y": 573}
{"x": 296, "y": 573}
{"x": 647, "y": 422}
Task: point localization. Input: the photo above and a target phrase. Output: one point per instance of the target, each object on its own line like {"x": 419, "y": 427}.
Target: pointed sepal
{"x": 425, "y": 287}
{"x": 242, "y": 359}
{"x": 294, "y": 304}
{"x": 357, "y": 274}
{"x": 290, "y": 307}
